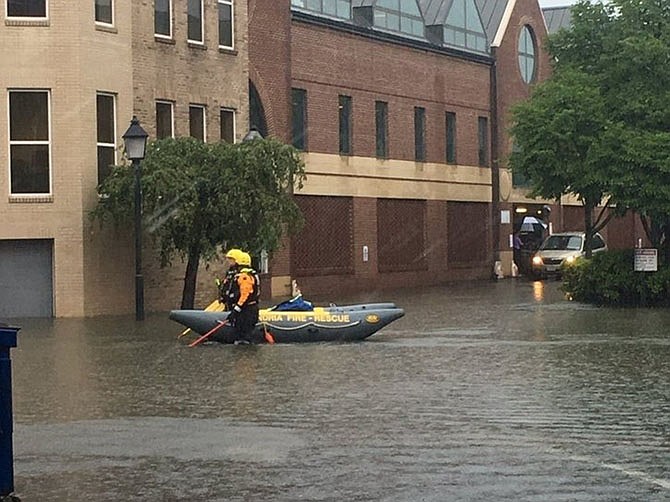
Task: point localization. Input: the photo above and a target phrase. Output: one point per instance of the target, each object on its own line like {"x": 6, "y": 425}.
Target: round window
{"x": 527, "y": 54}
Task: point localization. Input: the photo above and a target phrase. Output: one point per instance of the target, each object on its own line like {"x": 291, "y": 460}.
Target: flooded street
{"x": 485, "y": 392}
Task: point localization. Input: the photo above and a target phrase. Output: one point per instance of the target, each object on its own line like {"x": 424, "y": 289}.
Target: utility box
{"x": 7, "y": 341}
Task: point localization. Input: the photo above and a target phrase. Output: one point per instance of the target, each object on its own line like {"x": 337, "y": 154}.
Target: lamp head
{"x": 135, "y": 140}
{"x": 252, "y": 135}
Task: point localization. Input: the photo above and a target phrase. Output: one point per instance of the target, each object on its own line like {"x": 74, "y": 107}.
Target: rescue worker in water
{"x": 242, "y": 290}
{"x": 232, "y": 257}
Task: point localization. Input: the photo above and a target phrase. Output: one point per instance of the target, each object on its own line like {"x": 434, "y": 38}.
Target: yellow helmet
{"x": 245, "y": 259}
{"x": 236, "y": 255}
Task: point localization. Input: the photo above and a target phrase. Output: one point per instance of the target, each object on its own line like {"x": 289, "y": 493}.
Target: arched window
{"x": 463, "y": 27}
{"x": 256, "y": 111}
{"x": 334, "y": 8}
{"x": 399, "y": 15}
{"x": 527, "y": 54}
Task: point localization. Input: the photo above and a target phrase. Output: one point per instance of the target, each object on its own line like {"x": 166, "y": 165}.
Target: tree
{"x": 199, "y": 198}
{"x": 625, "y": 45}
{"x": 566, "y": 144}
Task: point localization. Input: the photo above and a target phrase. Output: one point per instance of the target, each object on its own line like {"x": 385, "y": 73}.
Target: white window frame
{"x": 202, "y": 25}
{"x": 103, "y": 23}
{"x": 34, "y": 18}
{"x": 204, "y": 120}
{"x": 171, "y": 103}
{"x": 19, "y": 142}
{"x": 161, "y": 35}
{"x": 115, "y": 125}
{"x": 232, "y": 24}
{"x": 234, "y": 113}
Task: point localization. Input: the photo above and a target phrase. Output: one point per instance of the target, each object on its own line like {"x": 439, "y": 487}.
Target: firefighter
{"x": 243, "y": 298}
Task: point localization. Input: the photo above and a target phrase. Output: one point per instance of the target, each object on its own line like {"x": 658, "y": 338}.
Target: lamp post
{"x": 135, "y": 140}
{"x": 252, "y": 135}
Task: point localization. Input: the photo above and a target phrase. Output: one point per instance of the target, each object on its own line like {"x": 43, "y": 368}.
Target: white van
{"x": 561, "y": 248}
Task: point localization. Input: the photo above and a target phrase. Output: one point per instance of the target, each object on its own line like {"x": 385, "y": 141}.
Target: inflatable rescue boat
{"x": 320, "y": 324}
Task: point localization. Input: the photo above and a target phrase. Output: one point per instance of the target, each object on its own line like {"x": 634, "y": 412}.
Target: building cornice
{"x": 386, "y": 37}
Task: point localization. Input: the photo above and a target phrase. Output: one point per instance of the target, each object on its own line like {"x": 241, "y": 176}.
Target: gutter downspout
{"x": 495, "y": 172}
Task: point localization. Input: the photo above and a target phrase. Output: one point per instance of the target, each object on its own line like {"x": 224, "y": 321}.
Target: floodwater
{"x": 483, "y": 392}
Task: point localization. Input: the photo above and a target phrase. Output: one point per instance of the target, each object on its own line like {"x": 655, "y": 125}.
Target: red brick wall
{"x": 468, "y": 233}
{"x": 511, "y": 87}
{"x": 327, "y": 63}
{"x": 401, "y": 235}
{"x": 436, "y": 238}
{"x": 270, "y": 61}
{"x": 325, "y": 244}
{"x": 573, "y": 218}
{"x": 365, "y": 234}
{"x": 620, "y": 232}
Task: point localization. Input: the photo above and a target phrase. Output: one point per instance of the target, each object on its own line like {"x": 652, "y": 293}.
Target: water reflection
{"x": 493, "y": 391}
{"x": 538, "y": 291}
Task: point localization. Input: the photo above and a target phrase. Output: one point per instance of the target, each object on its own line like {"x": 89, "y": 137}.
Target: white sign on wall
{"x": 646, "y": 260}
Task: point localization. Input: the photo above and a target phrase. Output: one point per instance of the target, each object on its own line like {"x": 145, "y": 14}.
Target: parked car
{"x": 563, "y": 248}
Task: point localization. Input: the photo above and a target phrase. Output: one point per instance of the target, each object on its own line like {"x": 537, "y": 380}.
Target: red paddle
{"x": 268, "y": 336}
{"x": 208, "y": 334}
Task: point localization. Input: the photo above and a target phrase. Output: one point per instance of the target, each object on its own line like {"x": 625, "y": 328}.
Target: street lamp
{"x": 252, "y": 135}
{"x": 135, "y": 140}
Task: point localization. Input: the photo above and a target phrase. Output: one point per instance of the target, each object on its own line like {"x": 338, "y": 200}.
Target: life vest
{"x": 226, "y": 287}
{"x": 235, "y": 293}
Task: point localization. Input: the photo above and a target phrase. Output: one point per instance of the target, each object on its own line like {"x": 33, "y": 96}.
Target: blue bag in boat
{"x": 295, "y": 303}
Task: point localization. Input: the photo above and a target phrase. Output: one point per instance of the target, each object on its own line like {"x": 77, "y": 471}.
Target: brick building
{"x": 72, "y": 78}
{"x": 401, "y": 108}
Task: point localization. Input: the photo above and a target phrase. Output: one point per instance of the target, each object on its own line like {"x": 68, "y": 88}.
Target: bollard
{"x": 7, "y": 341}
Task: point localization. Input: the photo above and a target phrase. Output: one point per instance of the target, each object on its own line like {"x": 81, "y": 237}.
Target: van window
{"x": 574, "y": 243}
{"x": 563, "y": 243}
{"x": 597, "y": 242}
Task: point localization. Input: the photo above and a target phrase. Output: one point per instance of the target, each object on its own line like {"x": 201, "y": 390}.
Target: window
{"x": 104, "y": 12}
{"x": 381, "y": 129}
{"x": 299, "y": 118}
{"x": 574, "y": 243}
{"x": 226, "y": 23}
{"x": 228, "y": 125}
{"x": 195, "y": 22}
{"x": 597, "y": 242}
{"x": 106, "y": 135}
{"x": 345, "y": 124}
{"x": 451, "y": 137}
{"x": 26, "y": 8}
{"x": 196, "y": 122}
{"x": 463, "y": 27}
{"x": 419, "y": 134}
{"x": 335, "y": 8}
{"x": 29, "y": 142}
{"x": 527, "y": 54}
{"x": 164, "y": 120}
{"x": 483, "y": 125}
{"x": 163, "y": 18}
{"x": 399, "y": 15}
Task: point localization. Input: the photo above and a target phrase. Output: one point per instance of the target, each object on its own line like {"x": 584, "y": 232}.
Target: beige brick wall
{"x": 60, "y": 56}
{"x": 73, "y": 58}
{"x": 185, "y": 73}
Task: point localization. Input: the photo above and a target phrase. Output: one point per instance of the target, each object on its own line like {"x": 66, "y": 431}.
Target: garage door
{"x": 26, "y": 284}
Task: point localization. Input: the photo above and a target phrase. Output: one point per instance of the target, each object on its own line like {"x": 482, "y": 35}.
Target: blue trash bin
{"x": 7, "y": 341}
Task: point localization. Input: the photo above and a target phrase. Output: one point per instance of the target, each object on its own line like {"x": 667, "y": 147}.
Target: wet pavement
{"x": 484, "y": 392}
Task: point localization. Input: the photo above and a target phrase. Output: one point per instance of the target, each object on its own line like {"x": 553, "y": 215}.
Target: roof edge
{"x": 504, "y": 22}
{"x": 389, "y": 37}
